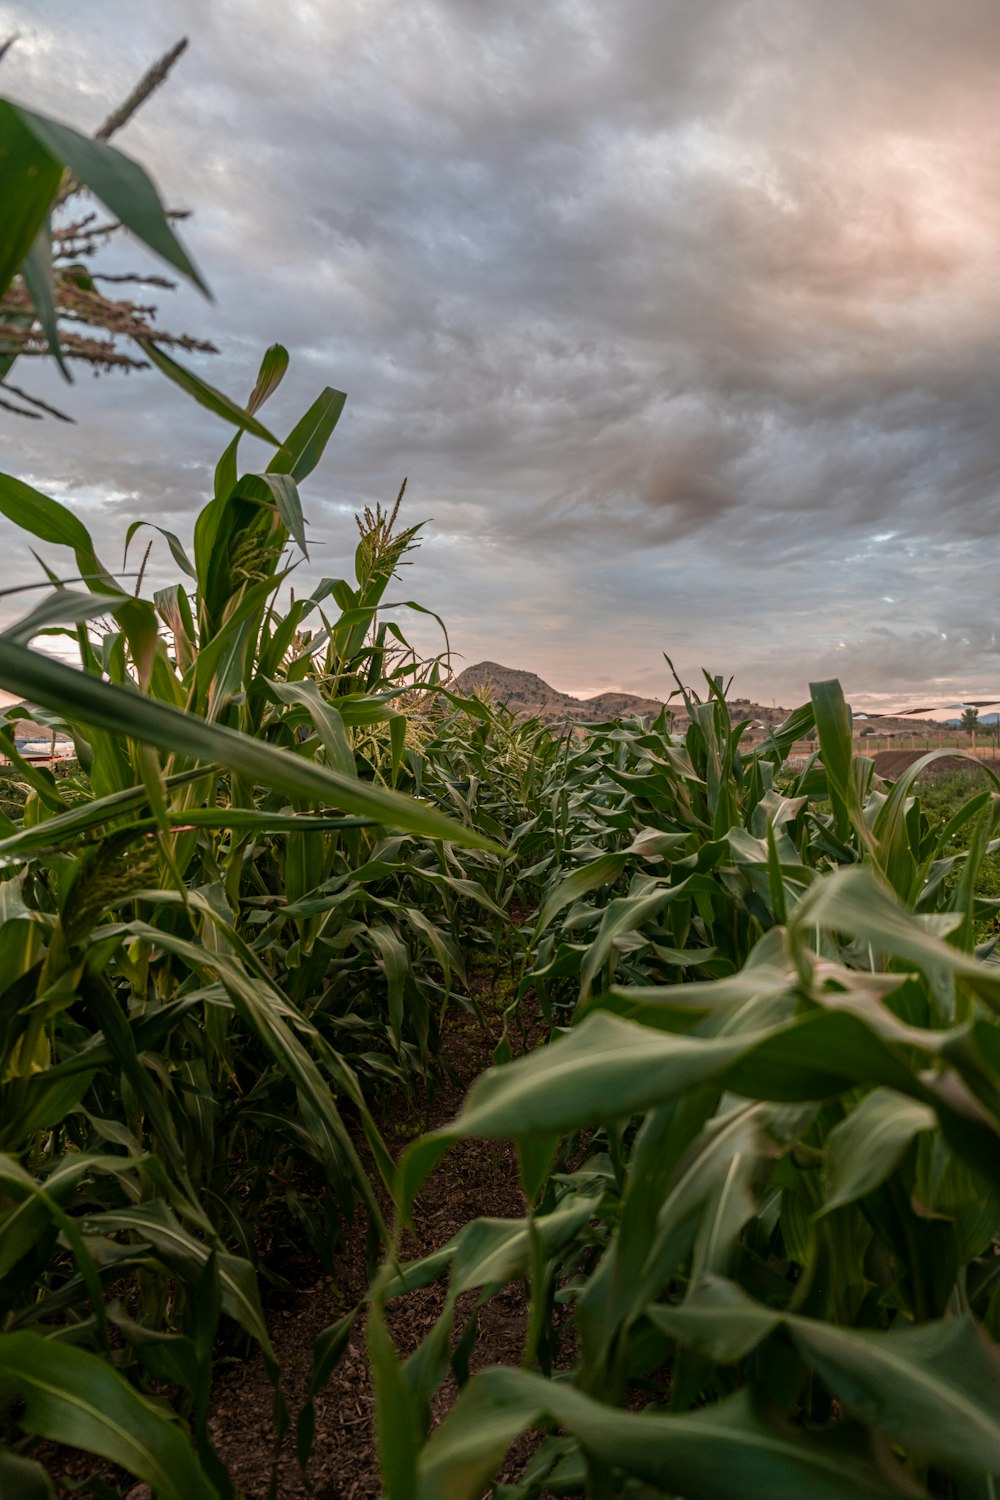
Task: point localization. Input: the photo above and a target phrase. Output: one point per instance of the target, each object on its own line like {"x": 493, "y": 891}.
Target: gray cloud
{"x": 669, "y": 311}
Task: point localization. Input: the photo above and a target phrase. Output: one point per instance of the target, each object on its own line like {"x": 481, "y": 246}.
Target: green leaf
{"x": 303, "y": 448}
{"x": 79, "y": 696}
{"x": 37, "y": 273}
{"x": 281, "y": 1028}
{"x": 286, "y": 498}
{"x": 328, "y": 1350}
{"x": 73, "y": 1397}
{"x": 271, "y": 373}
{"x": 23, "y": 1479}
{"x": 177, "y": 552}
{"x": 602, "y": 871}
{"x": 325, "y": 716}
{"x": 396, "y": 967}
{"x": 47, "y": 1102}
{"x": 34, "y": 1207}
{"x": 767, "y": 974}
{"x": 61, "y": 607}
{"x": 865, "y": 1149}
{"x": 854, "y": 901}
{"x": 43, "y": 517}
{"x": 701, "y": 1455}
{"x": 120, "y": 183}
{"x": 29, "y": 181}
{"x": 623, "y": 915}
{"x": 719, "y": 1319}
{"x": 487, "y": 1251}
{"x": 397, "y": 1427}
{"x": 833, "y": 721}
{"x": 66, "y": 826}
{"x": 608, "y": 1069}
{"x": 206, "y": 395}
{"x": 244, "y": 820}
{"x": 935, "y": 1388}
{"x": 781, "y": 739}
{"x": 159, "y": 1227}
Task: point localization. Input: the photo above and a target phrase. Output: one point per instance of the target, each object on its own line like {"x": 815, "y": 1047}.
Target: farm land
{"x": 405, "y": 1091}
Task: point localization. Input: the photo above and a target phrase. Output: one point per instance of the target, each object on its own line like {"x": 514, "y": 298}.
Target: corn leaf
{"x": 71, "y": 1396}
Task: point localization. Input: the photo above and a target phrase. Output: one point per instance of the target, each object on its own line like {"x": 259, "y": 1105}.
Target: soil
{"x": 892, "y": 763}
{"x": 476, "y": 1178}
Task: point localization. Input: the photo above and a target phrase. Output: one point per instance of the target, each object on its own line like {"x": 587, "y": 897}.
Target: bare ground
{"x": 476, "y": 1178}
{"x": 892, "y": 763}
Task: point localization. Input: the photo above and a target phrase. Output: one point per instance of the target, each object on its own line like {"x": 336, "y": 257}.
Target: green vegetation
{"x": 942, "y": 797}
{"x": 759, "y": 1146}
{"x": 759, "y": 1151}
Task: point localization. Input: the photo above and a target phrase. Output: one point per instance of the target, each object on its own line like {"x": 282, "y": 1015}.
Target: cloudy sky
{"x": 683, "y": 319}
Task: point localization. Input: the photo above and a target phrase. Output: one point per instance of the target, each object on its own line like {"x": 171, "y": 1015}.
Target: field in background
{"x": 620, "y": 1109}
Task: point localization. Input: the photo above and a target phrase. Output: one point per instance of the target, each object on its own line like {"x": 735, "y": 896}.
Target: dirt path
{"x": 476, "y": 1178}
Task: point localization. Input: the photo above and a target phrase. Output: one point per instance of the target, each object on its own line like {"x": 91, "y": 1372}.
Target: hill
{"x": 530, "y": 696}
{"x": 527, "y": 694}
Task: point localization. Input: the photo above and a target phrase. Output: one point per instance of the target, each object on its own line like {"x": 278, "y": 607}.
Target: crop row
{"x": 758, "y": 1148}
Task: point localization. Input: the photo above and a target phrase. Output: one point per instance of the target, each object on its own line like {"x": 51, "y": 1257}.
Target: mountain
{"x": 529, "y": 696}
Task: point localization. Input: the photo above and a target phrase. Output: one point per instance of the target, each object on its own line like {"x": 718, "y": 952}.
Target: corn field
{"x": 759, "y": 1144}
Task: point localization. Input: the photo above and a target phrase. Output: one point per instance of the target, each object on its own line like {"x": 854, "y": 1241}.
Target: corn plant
{"x": 226, "y": 928}
{"x": 668, "y": 857}
{"x": 762, "y": 1204}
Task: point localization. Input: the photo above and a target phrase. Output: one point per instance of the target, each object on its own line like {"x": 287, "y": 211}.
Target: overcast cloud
{"x": 682, "y": 319}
